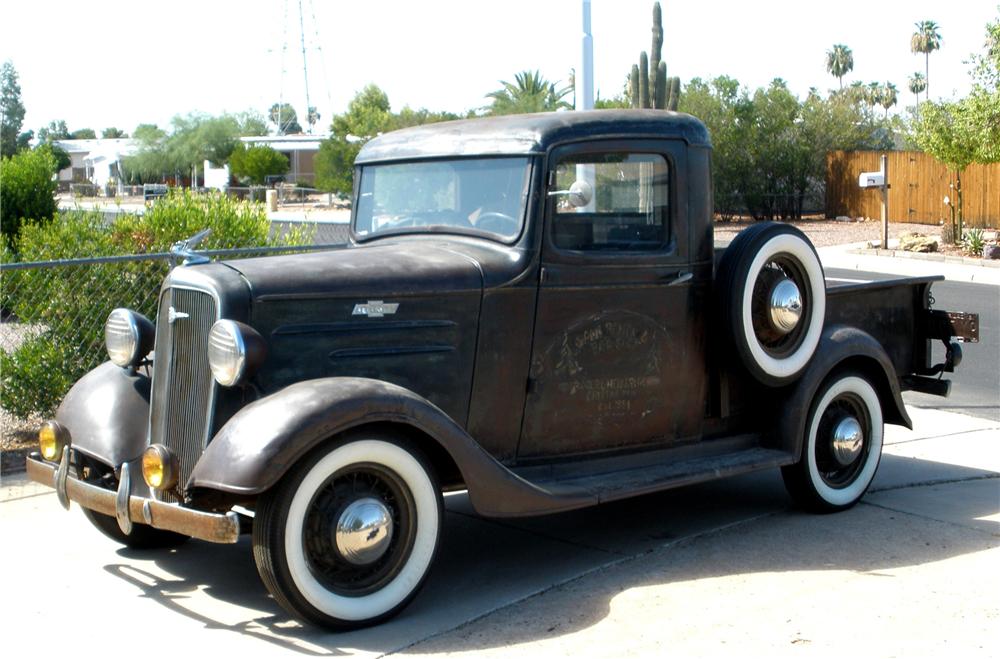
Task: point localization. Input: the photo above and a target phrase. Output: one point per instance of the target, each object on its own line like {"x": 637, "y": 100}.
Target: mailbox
{"x": 871, "y": 180}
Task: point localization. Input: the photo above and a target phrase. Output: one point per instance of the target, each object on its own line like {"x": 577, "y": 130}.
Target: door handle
{"x": 678, "y": 278}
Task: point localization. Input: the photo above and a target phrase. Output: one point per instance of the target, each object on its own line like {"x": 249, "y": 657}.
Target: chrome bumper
{"x": 127, "y": 508}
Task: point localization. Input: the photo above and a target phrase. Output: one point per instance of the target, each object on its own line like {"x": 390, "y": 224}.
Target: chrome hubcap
{"x": 847, "y": 441}
{"x": 364, "y": 531}
{"x": 785, "y": 306}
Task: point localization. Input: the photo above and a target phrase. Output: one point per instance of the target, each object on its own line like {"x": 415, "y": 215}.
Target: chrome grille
{"x": 183, "y": 387}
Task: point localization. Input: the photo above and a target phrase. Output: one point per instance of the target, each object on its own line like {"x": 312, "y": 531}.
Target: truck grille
{"x": 183, "y": 387}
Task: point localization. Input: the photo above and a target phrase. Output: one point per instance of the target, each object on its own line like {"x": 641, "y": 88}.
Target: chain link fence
{"x": 52, "y": 316}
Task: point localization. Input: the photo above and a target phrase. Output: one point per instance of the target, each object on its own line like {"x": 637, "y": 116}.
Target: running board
{"x": 604, "y": 482}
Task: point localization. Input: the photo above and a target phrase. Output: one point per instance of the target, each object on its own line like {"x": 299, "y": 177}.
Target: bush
{"x": 35, "y": 376}
{"x": 28, "y": 190}
{"x": 257, "y": 163}
{"x": 70, "y": 303}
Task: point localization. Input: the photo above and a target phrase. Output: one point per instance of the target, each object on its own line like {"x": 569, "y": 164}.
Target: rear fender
{"x": 840, "y": 348}
{"x": 258, "y": 445}
{"x": 107, "y": 414}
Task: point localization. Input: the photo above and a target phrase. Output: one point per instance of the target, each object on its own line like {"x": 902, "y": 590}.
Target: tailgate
{"x": 898, "y": 314}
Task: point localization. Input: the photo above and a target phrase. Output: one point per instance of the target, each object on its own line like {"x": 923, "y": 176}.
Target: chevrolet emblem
{"x": 375, "y": 309}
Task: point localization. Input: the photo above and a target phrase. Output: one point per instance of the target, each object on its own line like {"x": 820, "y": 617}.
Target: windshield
{"x": 462, "y": 196}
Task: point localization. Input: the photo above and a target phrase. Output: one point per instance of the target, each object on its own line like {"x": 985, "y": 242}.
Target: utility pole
{"x": 585, "y": 74}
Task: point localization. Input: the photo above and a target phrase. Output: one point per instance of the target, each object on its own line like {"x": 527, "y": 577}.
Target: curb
{"x": 921, "y": 256}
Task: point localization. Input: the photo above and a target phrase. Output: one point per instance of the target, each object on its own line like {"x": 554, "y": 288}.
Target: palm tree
{"x": 530, "y": 92}
{"x": 926, "y": 40}
{"x": 888, "y": 95}
{"x": 839, "y": 62}
{"x": 918, "y": 83}
{"x": 873, "y": 94}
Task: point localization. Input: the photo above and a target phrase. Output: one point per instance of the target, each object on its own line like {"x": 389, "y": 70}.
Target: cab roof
{"x": 529, "y": 134}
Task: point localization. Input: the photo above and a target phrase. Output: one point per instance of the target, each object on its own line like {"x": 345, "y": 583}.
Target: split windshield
{"x": 483, "y": 195}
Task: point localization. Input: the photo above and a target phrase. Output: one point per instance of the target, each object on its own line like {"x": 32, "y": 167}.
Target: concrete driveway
{"x": 724, "y": 567}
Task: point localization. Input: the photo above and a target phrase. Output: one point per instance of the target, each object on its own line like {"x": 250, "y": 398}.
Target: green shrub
{"x": 256, "y": 163}
{"x": 70, "y": 303}
{"x": 27, "y": 188}
{"x": 974, "y": 241}
{"x": 35, "y": 377}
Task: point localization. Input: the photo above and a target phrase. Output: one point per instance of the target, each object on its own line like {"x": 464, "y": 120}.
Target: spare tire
{"x": 772, "y": 301}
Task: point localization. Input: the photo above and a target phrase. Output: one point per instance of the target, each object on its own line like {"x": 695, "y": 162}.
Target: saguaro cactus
{"x": 648, "y": 84}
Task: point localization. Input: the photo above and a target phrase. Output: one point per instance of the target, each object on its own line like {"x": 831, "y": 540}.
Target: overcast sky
{"x": 119, "y": 63}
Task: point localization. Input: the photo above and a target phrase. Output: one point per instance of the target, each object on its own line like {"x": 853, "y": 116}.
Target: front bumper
{"x": 128, "y": 508}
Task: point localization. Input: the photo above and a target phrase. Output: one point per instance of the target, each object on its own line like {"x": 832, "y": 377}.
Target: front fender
{"x": 258, "y": 445}
{"x": 840, "y": 347}
{"x": 107, "y": 414}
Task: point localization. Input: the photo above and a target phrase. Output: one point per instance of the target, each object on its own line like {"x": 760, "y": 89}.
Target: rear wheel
{"x": 347, "y": 538}
{"x": 842, "y": 446}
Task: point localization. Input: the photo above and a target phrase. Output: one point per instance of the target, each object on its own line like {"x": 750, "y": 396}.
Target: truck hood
{"x": 395, "y": 269}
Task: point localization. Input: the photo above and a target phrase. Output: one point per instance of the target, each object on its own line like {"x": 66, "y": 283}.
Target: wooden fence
{"x": 918, "y": 186}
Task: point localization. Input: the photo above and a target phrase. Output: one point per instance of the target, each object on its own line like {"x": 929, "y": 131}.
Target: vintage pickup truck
{"x": 530, "y": 308}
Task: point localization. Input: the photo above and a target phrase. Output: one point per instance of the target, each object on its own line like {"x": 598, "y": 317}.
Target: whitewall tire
{"x": 841, "y": 448}
{"x": 773, "y": 297}
{"x": 347, "y": 538}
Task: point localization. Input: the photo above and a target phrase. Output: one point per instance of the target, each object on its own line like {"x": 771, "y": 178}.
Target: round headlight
{"x": 160, "y": 467}
{"x": 235, "y": 351}
{"x": 52, "y": 438}
{"x": 128, "y": 337}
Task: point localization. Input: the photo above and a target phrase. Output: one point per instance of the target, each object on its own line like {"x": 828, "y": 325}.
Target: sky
{"x": 120, "y": 63}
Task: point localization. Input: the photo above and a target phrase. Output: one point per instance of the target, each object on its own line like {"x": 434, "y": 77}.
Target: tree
{"x": 945, "y": 131}
{"x": 113, "y": 133}
{"x": 839, "y": 62}
{"x": 83, "y": 134}
{"x": 284, "y": 118}
{"x": 256, "y": 163}
{"x": 251, "y": 123}
{"x": 11, "y": 109}
{"x": 368, "y": 114}
{"x": 530, "y": 92}
{"x": 56, "y": 130}
{"x": 194, "y": 139}
{"x": 918, "y": 83}
{"x": 888, "y": 95}
{"x": 926, "y": 40}
{"x": 148, "y": 133}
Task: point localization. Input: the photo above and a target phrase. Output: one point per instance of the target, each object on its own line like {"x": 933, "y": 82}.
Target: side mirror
{"x": 580, "y": 193}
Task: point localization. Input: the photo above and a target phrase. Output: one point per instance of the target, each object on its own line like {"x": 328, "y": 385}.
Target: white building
{"x": 95, "y": 161}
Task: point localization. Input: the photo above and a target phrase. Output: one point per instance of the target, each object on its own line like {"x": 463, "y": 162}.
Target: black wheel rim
{"x": 344, "y": 487}
{"x": 777, "y": 344}
{"x": 834, "y": 474}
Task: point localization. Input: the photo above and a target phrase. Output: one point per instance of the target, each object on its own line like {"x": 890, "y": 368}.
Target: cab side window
{"x": 619, "y": 202}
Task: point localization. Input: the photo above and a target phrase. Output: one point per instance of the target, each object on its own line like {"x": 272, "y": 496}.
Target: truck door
{"x": 618, "y": 344}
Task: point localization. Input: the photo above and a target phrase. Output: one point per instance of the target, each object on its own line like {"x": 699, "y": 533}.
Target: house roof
{"x": 124, "y": 146}
{"x": 287, "y": 142}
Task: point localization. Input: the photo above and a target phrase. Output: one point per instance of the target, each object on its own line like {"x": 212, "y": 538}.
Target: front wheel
{"x": 347, "y": 538}
{"x": 842, "y": 446}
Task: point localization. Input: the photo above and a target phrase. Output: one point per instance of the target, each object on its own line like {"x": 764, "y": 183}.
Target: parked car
{"x": 530, "y": 308}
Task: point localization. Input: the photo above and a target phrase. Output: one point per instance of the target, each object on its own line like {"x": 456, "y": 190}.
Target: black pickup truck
{"x": 530, "y": 308}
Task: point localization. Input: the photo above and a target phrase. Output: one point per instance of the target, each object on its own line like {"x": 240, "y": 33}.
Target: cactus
{"x": 649, "y": 85}
{"x": 643, "y": 81}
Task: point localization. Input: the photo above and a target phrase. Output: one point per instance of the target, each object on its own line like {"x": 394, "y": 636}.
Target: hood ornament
{"x": 183, "y": 250}
{"x": 375, "y": 309}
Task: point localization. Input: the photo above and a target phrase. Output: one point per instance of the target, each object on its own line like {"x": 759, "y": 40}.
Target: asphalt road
{"x": 976, "y": 383}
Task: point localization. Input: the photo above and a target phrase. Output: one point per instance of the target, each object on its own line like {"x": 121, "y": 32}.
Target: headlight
{"x": 128, "y": 337}
{"x": 52, "y": 438}
{"x": 160, "y": 467}
{"x": 234, "y": 351}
